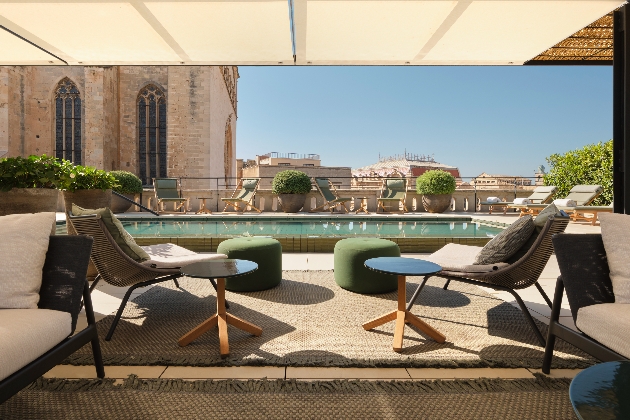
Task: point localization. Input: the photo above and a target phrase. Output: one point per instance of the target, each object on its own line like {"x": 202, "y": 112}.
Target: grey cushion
{"x": 615, "y": 234}
{"x": 460, "y": 258}
{"x": 29, "y": 333}
{"x": 506, "y": 243}
{"x": 545, "y": 214}
{"x": 539, "y": 223}
{"x": 608, "y": 323}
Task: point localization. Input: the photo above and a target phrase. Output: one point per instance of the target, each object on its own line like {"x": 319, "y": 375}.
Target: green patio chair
{"x": 166, "y": 191}
{"x": 331, "y": 198}
{"x": 243, "y": 195}
{"x": 583, "y": 195}
{"x": 394, "y": 191}
{"x": 540, "y": 195}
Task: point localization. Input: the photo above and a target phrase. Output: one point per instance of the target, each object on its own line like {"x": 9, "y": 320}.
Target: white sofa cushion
{"x": 608, "y": 323}
{"x": 615, "y": 234}
{"x": 456, "y": 257}
{"x": 26, "y": 334}
{"x": 23, "y": 246}
{"x": 174, "y": 256}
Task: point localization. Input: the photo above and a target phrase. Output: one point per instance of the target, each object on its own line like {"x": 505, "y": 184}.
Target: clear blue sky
{"x": 500, "y": 120}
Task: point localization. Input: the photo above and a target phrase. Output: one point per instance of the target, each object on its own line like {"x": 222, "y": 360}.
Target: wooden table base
{"x": 221, "y": 318}
{"x": 402, "y": 316}
{"x": 202, "y": 207}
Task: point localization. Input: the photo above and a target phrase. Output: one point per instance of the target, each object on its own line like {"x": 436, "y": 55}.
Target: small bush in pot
{"x": 29, "y": 185}
{"x": 88, "y": 187}
{"x": 291, "y": 187}
{"x": 436, "y": 188}
{"x": 128, "y": 185}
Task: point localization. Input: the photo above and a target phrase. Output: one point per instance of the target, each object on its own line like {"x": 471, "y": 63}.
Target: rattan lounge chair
{"x": 243, "y": 195}
{"x": 119, "y": 270}
{"x": 166, "y": 191}
{"x": 456, "y": 262}
{"x": 394, "y": 192}
{"x": 580, "y": 213}
{"x": 329, "y": 193}
{"x": 583, "y": 195}
{"x": 540, "y": 195}
{"x": 585, "y": 274}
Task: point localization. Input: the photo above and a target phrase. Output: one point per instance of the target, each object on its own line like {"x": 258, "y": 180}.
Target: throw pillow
{"x": 124, "y": 240}
{"x": 539, "y": 222}
{"x": 545, "y": 214}
{"x": 615, "y": 233}
{"x": 506, "y": 243}
{"x": 23, "y": 249}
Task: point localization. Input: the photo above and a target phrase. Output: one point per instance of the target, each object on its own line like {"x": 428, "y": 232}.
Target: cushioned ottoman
{"x": 266, "y": 252}
{"x": 350, "y": 271}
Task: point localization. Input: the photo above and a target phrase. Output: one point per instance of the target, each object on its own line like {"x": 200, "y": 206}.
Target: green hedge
{"x": 291, "y": 182}
{"x": 89, "y": 178}
{"x": 435, "y": 182}
{"x": 33, "y": 172}
{"x": 128, "y": 183}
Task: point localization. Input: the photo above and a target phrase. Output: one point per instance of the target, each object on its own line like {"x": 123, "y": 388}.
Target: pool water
{"x": 307, "y": 228}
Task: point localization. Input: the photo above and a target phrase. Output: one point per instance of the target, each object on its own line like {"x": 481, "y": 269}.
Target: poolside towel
{"x": 493, "y": 200}
{"x": 565, "y": 202}
{"x": 522, "y": 201}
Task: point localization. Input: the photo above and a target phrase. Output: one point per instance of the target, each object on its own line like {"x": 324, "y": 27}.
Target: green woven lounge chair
{"x": 540, "y": 195}
{"x": 394, "y": 191}
{"x": 243, "y": 195}
{"x": 331, "y": 198}
{"x": 583, "y": 195}
{"x": 166, "y": 191}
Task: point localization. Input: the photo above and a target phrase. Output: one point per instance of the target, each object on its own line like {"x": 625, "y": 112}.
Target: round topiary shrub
{"x": 435, "y": 182}
{"x": 291, "y": 182}
{"x": 128, "y": 183}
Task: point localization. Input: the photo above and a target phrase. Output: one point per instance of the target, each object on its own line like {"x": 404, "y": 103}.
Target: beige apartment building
{"x": 154, "y": 121}
{"x": 489, "y": 181}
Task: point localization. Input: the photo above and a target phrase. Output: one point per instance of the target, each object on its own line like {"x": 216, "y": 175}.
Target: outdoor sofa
{"x": 35, "y": 338}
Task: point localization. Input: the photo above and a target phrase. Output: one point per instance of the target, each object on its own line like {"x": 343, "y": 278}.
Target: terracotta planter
{"x": 88, "y": 199}
{"x": 28, "y": 200}
{"x": 291, "y": 203}
{"x": 120, "y": 205}
{"x": 438, "y": 203}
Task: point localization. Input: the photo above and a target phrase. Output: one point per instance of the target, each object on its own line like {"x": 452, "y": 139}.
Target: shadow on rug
{"x": 539, "y": 398}
{"x": 310, "y": 321}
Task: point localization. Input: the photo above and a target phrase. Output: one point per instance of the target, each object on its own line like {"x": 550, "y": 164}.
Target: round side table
{"x": 602, "y": 391}
{"x": 202, "y": 205}
{"x": 403, "y": 267}
{"x": 219, "y": 270}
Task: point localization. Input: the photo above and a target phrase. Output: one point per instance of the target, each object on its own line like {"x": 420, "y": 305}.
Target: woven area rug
{"x": 310, "y": 321}
{"x": 522, "y": 399}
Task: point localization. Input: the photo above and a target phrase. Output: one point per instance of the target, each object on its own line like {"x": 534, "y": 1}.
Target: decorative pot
{"x": 120, "y": 205}
{"x": 88, "y": 199}
{"x": 28, "y": 200}
{"x": 436, "y": 203}
{"x": 291, "y": 203}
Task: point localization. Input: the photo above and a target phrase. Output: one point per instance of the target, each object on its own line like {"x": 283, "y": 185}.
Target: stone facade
{"x": 200, "y": 116}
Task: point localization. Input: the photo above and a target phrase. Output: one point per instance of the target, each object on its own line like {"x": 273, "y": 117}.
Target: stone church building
{"x": 154, "y": 121}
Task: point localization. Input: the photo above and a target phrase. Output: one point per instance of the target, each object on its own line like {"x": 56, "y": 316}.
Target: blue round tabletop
{"x": 220, "y": 268}
{"x": 402, "y": 266}
{"x": 602, "y": 391}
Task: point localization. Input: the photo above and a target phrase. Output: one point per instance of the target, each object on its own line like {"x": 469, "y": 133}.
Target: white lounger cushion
{"x": 460, "y": 258}
{"x": 173, "y": 256}
{"x": 608, "y": 323}
{"x": 26, "y": 334}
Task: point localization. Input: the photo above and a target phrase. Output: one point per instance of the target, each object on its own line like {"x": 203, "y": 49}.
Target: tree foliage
{"x": 435, "y": 182}
{"x": 590, "y": 165}
{"x": 291, "y": 182}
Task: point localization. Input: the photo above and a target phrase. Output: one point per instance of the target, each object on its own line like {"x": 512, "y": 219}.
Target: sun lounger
{"x": 580, "y": 212}
{"x": 540, "y": 195}
{"x": 166, "y": 191}
{"x": 329, "y": 193}
{"x": 243, "y": 195}
{"x": 394, "y": 192}
{"x": 583, "y": 195}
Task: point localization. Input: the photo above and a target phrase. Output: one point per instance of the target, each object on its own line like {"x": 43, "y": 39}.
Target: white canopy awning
{"x": 271, "y": 32}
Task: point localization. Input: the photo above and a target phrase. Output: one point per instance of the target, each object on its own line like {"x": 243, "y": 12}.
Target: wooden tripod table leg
{"x": 402, "y": 316}
{"x": 244, "y": 325}
{"x": 200, "y": 329}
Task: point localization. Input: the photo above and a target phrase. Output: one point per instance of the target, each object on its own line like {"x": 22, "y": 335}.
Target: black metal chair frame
{"x": 585, "y": 275}
{"x": 64, "y": 288}
{"x": 518, "y": 275}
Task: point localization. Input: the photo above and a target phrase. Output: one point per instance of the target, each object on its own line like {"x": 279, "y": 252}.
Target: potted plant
{"x": 437, "y": 188}
{"x": 29, "y": 185}
{"x": 128, "y": 185}
{"x": 291, "y": 187}
{"x": 88, "y": 187}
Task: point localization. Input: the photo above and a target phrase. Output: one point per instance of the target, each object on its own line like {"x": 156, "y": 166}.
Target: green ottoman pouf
{"x": 266, "y": 252}
{"x": 350, "y": 271}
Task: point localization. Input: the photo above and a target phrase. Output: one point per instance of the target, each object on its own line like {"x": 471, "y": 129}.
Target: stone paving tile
{"x": 472, "y": 373}
{"x": 318, "y": 373}
{"x": 220, "y": 372}
{"x": 120, "y": 372}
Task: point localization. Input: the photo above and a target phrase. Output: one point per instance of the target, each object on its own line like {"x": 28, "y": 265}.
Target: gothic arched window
{"x": 68, "y": 121}
{"x": 151, "y": 134}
